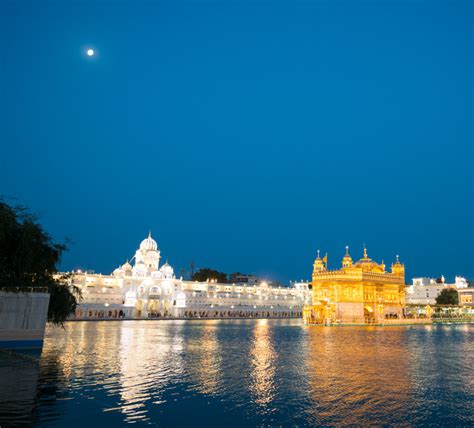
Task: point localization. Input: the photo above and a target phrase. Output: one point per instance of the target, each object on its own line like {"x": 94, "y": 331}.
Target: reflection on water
{"x": 204, "y": 356}
{"x": 263, "y": 364}
{"x": 18, "y": 383}
{"x": 242, "y": 373}
{"x": 368, "y": 376}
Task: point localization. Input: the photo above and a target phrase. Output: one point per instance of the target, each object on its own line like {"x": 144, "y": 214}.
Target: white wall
{"x": 22, "y": 318}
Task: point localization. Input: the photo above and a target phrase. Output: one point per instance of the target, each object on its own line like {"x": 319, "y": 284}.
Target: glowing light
{"x": 90, "y": 52}
{"x": 262, "y": 377}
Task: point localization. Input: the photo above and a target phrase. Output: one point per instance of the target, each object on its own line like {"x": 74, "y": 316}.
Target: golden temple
{"x": 358, "y": 293}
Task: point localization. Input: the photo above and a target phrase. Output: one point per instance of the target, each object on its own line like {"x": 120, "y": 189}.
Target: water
{"x": 242, "y": 373}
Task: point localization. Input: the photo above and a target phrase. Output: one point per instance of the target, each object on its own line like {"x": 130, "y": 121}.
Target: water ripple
{"x": 243, "y": 373}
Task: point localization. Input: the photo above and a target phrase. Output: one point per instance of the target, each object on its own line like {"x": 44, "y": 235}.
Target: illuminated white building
{"x": 148, "y": 290}
{"x": 424, "y": 291}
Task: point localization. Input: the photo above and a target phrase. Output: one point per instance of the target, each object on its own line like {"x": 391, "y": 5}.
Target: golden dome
{"x": 367, "y": 264}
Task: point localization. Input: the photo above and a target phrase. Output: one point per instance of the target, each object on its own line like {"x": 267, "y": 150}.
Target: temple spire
{"x": 319, "y": 264}
{"x": 398, "y": 268}
{"x": 347, "y": 259}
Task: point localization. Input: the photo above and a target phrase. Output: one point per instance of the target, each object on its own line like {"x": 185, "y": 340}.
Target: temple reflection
{"x": 357, "y": 368}
{"x": 262, "y": 356}
{"x": 130, "y": 369}
{"x": 145, "y": 372}
{"x": 145, "y": 367}
{"x": 204, "y": 354}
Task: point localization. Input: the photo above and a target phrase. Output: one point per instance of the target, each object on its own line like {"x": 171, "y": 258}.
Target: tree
{"x": 29, "y": 259}
{"x": 448, "y": 296}
{"x": 210, "y": 274}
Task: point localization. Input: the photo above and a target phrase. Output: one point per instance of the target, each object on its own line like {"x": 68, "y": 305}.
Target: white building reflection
{"x": 204, "y": 358}
{"x": 132, "y": 362}
{"x": 263, "y": 358}
{"x": 146, "y": 366}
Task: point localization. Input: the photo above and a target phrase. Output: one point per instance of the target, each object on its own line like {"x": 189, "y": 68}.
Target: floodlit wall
{"x": 22, "y": 319}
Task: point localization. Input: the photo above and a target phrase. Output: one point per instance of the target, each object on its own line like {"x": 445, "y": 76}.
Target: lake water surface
{"x": 242, "y": 373}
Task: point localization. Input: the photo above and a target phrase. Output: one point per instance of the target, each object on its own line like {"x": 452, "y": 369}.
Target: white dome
{"x": 126, "y": 266}
{"x": 167, "y": 270}
{"x": 149, "y": 244}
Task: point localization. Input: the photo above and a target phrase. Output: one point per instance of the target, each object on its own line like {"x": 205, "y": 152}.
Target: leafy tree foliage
{"x": 448, "y": 296}
{"x": 30, "y": 258}
{"x": 210, "y": 274}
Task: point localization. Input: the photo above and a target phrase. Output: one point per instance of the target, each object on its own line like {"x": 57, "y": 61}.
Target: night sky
{"x": 245, "y": 135}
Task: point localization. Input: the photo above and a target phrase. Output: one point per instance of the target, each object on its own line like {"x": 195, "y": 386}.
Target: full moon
{"x": 90, "y": 52}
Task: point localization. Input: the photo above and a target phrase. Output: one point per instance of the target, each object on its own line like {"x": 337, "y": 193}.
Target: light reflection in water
{"x": 204, "y": 359}
{"x": 145, "y": 366}
{"x": 134, "y": 354}
{"x": 245, "y": 373}
{"x": 262, "y": 357}
{"x": 368, "y": 376}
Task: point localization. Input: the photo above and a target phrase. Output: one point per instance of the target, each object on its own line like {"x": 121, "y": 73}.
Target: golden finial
{"x": 347, "y": 250}
{"x": 365, "y": 252}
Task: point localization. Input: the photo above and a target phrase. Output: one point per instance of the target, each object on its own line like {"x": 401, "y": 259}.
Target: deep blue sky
{"x": 246, "y": 135}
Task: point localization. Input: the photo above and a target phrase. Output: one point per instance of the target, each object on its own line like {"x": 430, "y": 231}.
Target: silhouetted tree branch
{"x": 30, "y": 258}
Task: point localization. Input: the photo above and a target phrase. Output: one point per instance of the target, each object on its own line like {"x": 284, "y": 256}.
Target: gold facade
{"x": 360, "y": 292}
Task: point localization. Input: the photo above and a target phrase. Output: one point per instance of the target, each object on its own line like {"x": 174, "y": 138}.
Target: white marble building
{"x": 148, "y": 290}
{"x": 424, "y": 291}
